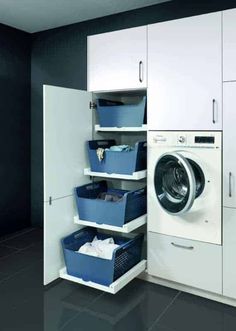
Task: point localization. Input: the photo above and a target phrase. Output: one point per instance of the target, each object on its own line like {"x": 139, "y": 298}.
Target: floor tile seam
{"x": 3, "y": 274}
{"x": 7, "y": 255}
{"x": 13, "y": 236}
{"x": 18, "y": 272}
{"x": 164, "y": 311}
{"x": 16, "y": 234}
{"x": 11, "y": 254}
{"x": 77, "y": 313}
{"x": 18, "y": 250}
{"x": 8, "y": 246}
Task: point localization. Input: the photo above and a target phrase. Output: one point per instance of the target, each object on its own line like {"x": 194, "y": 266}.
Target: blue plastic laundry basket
{"x": 116, "y": 114}
{"x": 95, "y": 269}
{"x": 117, "y": 162}
{"x": 132, "y": 204}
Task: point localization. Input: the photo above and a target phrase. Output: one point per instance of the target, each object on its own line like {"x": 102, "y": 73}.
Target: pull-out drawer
{"x": 188, "y": 262}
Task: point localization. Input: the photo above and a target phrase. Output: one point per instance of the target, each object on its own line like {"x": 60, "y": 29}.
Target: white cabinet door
{"x": 229, "y": 253}
{"x": 184, "y": 74}
{"x": 229, "y": 45}
{"x": 229, "y": 138}
{"x": 58, "y": 223}
{"x": 117, "y": 60}
{"x": 67, "y": 126}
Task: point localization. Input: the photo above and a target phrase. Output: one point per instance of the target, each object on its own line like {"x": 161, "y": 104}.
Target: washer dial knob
{"x": 181, "y": 139}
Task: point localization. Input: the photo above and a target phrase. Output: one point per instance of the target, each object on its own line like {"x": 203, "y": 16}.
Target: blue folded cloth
{"x": 120, "y": 148}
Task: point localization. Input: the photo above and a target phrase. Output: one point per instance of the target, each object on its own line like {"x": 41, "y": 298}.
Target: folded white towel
{"x": 100, "y": 248}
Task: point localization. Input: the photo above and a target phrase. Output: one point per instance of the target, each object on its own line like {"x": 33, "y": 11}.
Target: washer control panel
{"x": 185, "y": 139}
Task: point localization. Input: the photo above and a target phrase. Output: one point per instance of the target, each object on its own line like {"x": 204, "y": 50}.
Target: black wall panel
{"x": 14, "y": 129}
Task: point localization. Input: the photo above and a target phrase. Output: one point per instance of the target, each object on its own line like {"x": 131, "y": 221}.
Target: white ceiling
{"x": 37, "y": 15}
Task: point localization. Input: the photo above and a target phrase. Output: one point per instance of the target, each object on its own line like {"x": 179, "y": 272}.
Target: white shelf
{"x": 135, "y": 176}
{"x": 126, "y": 228}
{"x": 116, "y": 285}
{"x": 123, "y": 129}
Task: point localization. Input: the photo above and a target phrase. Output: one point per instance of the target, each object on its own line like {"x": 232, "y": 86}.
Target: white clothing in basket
{"x": 100, "y": 248}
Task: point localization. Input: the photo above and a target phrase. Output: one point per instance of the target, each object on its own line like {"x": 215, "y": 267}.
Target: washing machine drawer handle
{"x": 182, "y": 246}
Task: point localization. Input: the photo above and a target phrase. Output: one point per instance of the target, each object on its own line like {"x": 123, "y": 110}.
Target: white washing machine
{"x": 185, "y": 184}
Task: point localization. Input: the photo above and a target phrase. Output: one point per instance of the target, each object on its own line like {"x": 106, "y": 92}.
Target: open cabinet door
{"x": 67, "y": 127}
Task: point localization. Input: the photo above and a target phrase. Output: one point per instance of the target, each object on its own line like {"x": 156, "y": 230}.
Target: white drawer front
{"x": 188, "y": 262}
{"x": 229, "y": 252}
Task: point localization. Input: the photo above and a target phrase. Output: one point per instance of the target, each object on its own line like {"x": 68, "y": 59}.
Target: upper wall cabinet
{"x": 184, "y": 74}
{"x": 117, "y": 60}
{"x": 229, "y": 45}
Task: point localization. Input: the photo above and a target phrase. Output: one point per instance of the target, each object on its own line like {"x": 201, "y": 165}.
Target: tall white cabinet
{"x": 117, "y": 60}
{"x": 229, "y": 156}
{"x": 68, "y": 125}
{"x": 229, "y": 45}
{"x": 229, "y": 184}
{"x": 184, "y": 74}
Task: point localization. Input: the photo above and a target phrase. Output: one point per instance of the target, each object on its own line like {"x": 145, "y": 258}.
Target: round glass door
{"x": 178, "y": 182}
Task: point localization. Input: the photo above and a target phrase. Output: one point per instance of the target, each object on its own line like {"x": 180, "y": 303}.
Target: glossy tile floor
{"x": 25, "y": 305}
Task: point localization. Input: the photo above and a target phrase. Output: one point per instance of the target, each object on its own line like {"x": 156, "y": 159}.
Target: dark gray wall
{"x": 59, "y": 58}
{"x": 14, "y": 129}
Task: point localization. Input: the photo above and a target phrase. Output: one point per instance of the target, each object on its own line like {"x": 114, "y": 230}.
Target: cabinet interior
{"x": 129, "y": 138}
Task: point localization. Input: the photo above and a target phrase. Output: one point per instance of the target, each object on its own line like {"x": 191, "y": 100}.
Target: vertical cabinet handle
{"x": 213, "y": 111}
{"x": 230, "y": 184}
{"x": 141, "y": 71}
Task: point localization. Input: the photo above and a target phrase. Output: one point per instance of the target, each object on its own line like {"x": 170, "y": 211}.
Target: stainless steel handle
{"x": 140, "y": 71}
{"x": 182, "y": 246}
{"x": 191, "y": 180}
{"x": 213, "y": 111}
{"x": 230, "y": 184}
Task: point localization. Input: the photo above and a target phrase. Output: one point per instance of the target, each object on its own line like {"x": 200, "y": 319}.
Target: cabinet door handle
{"x": 141, "y": 71}
{"x": 213, "y": 111}
{"x": 230, "y": 184}
{"x": 182, "y": 246}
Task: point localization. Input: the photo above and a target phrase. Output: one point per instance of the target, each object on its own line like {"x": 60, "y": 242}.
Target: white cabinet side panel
{"x": 229, "y": 138}
{"x": 67, "y": 126}
{"x": 229, "y": 253}
{"x": 58, "y": 223}
{"x": 185, "y": 74}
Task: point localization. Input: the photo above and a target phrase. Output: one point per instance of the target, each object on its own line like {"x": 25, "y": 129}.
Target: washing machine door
{"x": 178, "y": 182}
